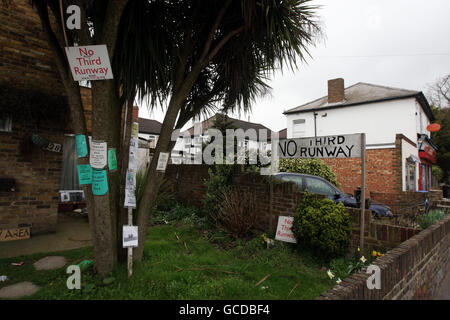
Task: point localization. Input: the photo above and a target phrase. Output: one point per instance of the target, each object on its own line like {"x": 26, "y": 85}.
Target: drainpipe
{"x": 315, "y": 124}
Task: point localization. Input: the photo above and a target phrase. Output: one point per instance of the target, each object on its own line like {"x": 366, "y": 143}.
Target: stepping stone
{"x": 18, "y": 290}
{"x": 50, "y": 263}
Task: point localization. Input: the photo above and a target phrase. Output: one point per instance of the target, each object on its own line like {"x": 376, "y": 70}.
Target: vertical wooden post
{"x": 363, "y": 189}
{"x": 130, "y": 249}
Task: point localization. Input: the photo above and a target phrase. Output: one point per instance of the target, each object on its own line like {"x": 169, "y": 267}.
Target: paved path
{"x": 443, "y": 292}
{"x": 71, "y": 233}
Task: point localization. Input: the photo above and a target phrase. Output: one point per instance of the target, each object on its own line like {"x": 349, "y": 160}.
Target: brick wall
{"x": 380, "y": 171}
{"x": 378, "y": 236}
{"x": 25, "y": 58}
{"x": 190, "y": 188}
{"x": 37, "y": 175}
{"x": 406, "y": 202}
{"x": 412, "y": 270}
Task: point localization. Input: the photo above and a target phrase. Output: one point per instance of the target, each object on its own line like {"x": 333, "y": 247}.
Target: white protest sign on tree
{"x": 98, "y": 155}
{"x": 89, "y": 62}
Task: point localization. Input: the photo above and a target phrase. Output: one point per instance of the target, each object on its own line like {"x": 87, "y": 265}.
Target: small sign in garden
{"x": 284, "y": 232}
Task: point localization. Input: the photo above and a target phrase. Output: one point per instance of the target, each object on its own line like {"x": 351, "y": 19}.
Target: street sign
{"x": 338, "y": 146}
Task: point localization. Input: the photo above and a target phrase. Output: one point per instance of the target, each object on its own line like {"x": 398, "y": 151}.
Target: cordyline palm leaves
{"x": 237, "y": 43}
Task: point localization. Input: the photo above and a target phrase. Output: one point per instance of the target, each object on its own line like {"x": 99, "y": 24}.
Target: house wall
{"x": 26, "y": 60}
{"x": 37, "y": 174}
{"x": 380, "y": 171}
{"x": 380, "y": 121}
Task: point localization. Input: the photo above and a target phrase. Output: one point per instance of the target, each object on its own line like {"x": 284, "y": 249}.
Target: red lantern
{"x": 433, "y": 127}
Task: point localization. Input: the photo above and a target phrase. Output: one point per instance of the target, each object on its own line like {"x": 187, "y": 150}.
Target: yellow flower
{"x": 379, "y": 254}
{"x": 363, "y": 260}
{"x": 374, "y": 253}
{"x": 330, "y": 274}
{"x": 359, "y": 249}
{"x": 338, "y": 281}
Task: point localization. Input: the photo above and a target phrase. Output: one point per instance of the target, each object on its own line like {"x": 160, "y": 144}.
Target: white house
{"x": 190, "y": 144}
{"x": 395, "y": 123}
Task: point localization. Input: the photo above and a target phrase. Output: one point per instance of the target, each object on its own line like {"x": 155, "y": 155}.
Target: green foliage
{"x": 430, "y": 218}
{"x": 442, "y": 139}
{"x": 220, "y": 181}
{"x": 189, "y": 215}
{"x": 170, "y": 272}
{"x": 437, "y": 172}
{"x": 322, "y": 226}
{"x": 316, "y": 167}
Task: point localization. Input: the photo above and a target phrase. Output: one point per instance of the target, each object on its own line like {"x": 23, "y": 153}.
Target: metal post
{"x": 130, "y": 249}
{"x": 363, "y": 189}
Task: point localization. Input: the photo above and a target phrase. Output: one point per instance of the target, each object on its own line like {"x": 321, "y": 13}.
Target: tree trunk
{"x": 105, "y": 127}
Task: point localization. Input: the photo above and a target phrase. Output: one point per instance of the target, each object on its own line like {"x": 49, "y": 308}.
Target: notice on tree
{"x": 284, "y": 232}
{"x": 99, "y": 182}
{"x": 339, "y": 146}
{"x": 162, "y": 161}
{"x": 130, "y": 199}
{"x": 98, "y": 156}
{"x": 89, "y": 62}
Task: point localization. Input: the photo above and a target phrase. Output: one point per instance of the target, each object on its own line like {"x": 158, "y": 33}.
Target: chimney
{"x": 335, "y": 90}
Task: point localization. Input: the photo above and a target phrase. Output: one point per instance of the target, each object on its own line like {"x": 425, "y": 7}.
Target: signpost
{"x": 130, "y": 232}
{"x": 336, "y": 146}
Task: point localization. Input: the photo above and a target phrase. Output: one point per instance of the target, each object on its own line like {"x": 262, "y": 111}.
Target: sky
{"x": 398, "y": 43}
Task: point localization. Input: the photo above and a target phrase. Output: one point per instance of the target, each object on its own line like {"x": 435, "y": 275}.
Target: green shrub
{"x": 220, "y": 181}
{"x": 322, "y": 227}
{"x": 430, "y": 218}
{"x": 316, "y": 167}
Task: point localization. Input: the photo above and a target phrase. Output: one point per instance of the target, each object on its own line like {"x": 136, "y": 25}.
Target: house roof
{"x": 149, "y": 126}
{"x": 239, "y": 124}
{"x": 282, "y": 134}
{"x": 363, "y": 93}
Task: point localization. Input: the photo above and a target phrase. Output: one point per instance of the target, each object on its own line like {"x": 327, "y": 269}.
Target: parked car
{"x": 318, "y": 185}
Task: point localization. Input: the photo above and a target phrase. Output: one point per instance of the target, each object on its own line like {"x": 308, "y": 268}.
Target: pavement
{"x": 71, "y": 233}
{"x": 443, "y": 293}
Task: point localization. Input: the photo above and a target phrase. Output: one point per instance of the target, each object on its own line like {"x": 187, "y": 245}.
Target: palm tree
{"x": 191, "y": 57}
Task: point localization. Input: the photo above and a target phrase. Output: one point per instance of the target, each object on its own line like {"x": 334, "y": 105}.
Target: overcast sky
{"x": 398, "y": 43}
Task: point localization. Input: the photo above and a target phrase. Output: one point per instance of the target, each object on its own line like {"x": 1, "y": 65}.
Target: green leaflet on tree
{"x": 84, "y": 174}
{"x": 80, "y": 142}
{"x": 99, "y": 182}
{"x": 112, "y": 159}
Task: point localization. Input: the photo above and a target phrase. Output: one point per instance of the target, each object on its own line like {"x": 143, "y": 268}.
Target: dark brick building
{"x": 33, "y": 112}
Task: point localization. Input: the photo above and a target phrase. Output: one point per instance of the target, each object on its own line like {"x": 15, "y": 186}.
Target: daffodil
{"x": 363, "y": 260}
{"x": 338, "y": 281}
{"x": 330, "y": 274}
{"x": 374, "y": 253}
{"x": 359, "y": 249}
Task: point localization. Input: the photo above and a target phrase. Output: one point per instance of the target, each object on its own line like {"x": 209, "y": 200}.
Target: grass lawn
{"x": 204, "y": 268}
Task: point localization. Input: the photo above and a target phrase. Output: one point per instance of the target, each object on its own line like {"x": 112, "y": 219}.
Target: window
{"x": 5, "y": 123}
{"x": 319, "y": 186}
{"x": 410, "y": 176}
{"x": 299, "y": 127}
{"x": 295, "y": 179}
{"x": 69, "y": 174}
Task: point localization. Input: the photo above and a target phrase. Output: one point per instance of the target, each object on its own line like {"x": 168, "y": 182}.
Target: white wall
{"x": 380, "y": 121}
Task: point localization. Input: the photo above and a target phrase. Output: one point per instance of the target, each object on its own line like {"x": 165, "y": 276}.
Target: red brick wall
{"x": 380, "y": 171}
{"x": 412, "y": 270}
{"x": 190, "y": 188}
{"x": 37, "y": 177}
